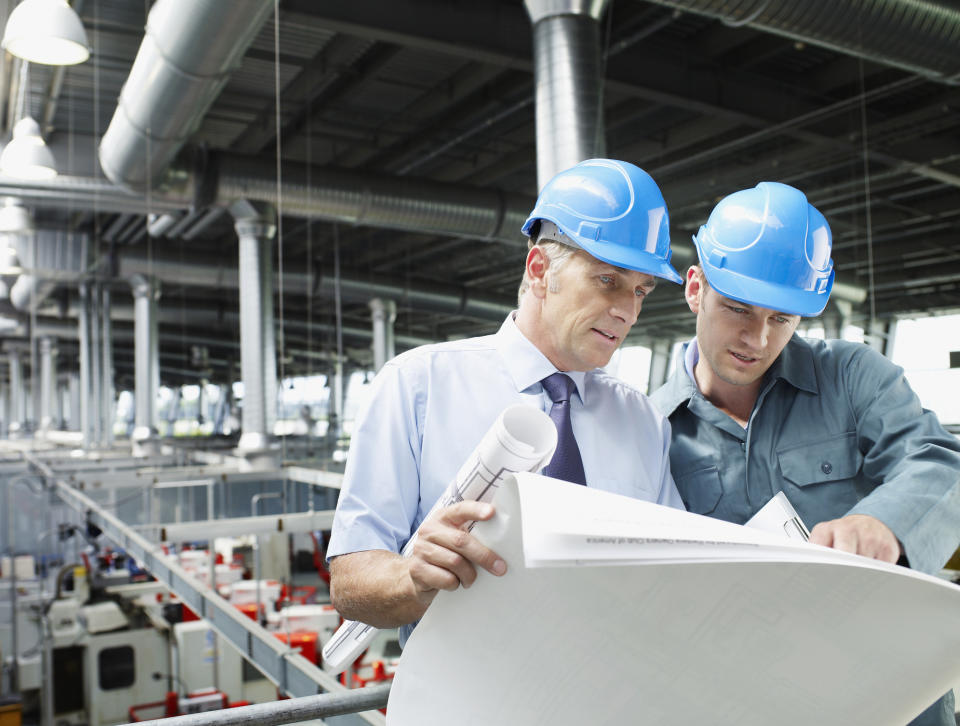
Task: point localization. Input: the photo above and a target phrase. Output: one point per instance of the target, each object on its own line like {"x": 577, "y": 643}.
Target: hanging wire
{"x": 867, "y": 194}
{"x": 279, "y": 210}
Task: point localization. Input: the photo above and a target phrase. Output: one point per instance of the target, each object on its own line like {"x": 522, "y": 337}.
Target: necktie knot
{"x": 559, "y": 386}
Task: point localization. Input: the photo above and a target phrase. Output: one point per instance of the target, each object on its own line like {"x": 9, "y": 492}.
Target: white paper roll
{"x": 522, "y": 438}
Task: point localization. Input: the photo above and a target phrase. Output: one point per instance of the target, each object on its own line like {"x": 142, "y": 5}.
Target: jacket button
{"x": 826, "y": 467}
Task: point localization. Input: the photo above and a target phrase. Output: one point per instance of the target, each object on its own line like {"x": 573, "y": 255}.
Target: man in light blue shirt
{"x": 756, "y": 410}
{"x": 602, "y": 236}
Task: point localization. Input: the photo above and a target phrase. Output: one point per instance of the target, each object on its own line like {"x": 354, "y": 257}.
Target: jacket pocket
{"x": 700, "y": 489}
{"x": 823, "y": 460}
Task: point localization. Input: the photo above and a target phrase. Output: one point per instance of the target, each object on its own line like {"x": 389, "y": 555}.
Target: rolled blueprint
{"x": 522, "y": 438}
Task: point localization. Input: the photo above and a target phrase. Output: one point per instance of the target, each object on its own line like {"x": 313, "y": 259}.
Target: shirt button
{"x": 826, "y": 467}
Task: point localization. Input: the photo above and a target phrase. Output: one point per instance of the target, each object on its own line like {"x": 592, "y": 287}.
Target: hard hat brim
{"x": 631, "y": 259}
{"x": 805, "y": 303}
{"x": 614, "y": 254}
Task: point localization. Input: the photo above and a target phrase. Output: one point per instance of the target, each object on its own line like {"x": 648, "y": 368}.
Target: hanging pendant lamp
{"x": 47, "y": 32}
{"x": 27, "y": 155}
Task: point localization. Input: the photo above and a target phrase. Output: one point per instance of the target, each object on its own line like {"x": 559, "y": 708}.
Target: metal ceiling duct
{"x": 188, "y": 52}
{"x": 403, "y": 203}
{"x": 919, "y": 36}
{"x": 568, "y": 78}
{"x": 354, "y": 288}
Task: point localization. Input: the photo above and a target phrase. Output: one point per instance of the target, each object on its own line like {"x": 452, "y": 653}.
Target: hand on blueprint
{"x": 446, "y": 555}
{"x": 859, "y": 534}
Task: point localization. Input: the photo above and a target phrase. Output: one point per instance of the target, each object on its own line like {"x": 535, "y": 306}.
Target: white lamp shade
{"x": 27, "y": 156}
{"x": 47, "y": 32}
{"x": 13, "y": 219}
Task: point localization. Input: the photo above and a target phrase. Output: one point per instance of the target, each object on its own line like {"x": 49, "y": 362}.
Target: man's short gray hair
{"x": 556, "y": 253}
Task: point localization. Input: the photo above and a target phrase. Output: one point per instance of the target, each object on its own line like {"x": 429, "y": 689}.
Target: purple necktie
{"x": 566, "y": 463}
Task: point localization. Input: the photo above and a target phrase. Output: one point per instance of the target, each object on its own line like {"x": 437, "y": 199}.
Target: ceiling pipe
{"x": 438, "y": 297}
{"x": 188, "y": 53}
{"x": 390, "y": 202}
{"x": 568, "y": 80}
{"x": 917, "y": 36}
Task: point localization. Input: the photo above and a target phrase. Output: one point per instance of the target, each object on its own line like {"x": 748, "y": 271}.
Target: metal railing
{"x": 291, "y": 672}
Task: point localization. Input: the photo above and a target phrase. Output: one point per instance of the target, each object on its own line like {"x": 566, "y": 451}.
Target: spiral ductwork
{"x": 568, "y": 77}
{"x": 179, "y": 71}
{"x": 918, "y": 36}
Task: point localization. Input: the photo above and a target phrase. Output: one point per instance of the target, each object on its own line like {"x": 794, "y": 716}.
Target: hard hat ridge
{"x": 768, "y": 246}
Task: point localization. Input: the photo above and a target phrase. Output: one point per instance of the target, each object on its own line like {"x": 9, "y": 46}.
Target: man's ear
{"x": 537, "y": 266}
{"x": 695, "y": 288}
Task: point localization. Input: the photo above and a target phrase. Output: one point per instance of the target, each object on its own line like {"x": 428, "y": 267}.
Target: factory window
{"x": 116, "y": 668}
{"x": 923, "y": 347}
{"x": 631, "y": 364}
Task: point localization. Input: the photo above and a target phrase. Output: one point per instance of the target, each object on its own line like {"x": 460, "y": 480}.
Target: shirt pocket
{"x": 700, "y": 489}
{"x": 832, "y": 459}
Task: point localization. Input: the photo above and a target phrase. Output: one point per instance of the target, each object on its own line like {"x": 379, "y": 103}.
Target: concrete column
{"x": 659, "y": 365}
{"x": 48, "y": 384}
{"x": 880, "y": 335}
{"x": 335, "y": 410}
{"x": 74, "y": 421}
{"x": 568, "y": 80}
{"x": 84, "y": 412}
{"x": 256, "y": 226}
{"x": 146, "y": 293}
{"x": 383, "y": 314}
{"x": 107, "y": 394}
{"x": 96, "y": 367}
{"x": 4, "y": 409}
{"x": 17, "y": 398}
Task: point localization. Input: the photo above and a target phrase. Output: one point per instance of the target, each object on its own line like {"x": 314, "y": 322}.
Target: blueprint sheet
{"x": 618, "y": 611}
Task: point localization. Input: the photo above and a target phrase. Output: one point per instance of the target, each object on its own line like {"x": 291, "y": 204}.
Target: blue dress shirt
{"x": 430, "y": 407}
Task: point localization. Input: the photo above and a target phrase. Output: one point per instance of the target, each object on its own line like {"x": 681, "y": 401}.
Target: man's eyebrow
{"x": 647, "y": 284}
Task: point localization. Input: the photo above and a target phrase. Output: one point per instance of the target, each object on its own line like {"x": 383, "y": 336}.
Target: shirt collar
{"x": 525, "y": 363}
{"x": 795, "y": 365}
{"x": 681, "y": 386}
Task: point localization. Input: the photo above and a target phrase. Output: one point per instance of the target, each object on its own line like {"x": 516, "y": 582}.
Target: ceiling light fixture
{"x": 27, "y": 155}
{"x": 14, "y": 219}
{"x": 47, "y": 32}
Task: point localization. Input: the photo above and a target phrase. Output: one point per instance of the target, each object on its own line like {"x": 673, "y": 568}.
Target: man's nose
{"x": 627, "y": 307}
{"x": 756, "y": 333}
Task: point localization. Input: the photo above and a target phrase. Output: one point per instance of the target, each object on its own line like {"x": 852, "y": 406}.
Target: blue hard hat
{"x": 769, "y": 247}
{"x": 612, "y": 210}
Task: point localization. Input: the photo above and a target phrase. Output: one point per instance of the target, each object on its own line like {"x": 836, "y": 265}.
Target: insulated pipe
{"x": 358, "y": 288}
{"x": 48, "y": 383}
{"x": 256, "y": 227}
{"x": 146, "y": 361}
{"x": 383, "y": 313}
{"x": 918, "y": 36}
{"x": 416, "y": 205}
{"x": 568, "y": 79}
{"x": 180, "y": 69}
{"x": 17, "y": 412}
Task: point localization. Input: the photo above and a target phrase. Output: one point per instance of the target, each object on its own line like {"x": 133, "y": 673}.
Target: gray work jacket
{"x": 838, "y": 429}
